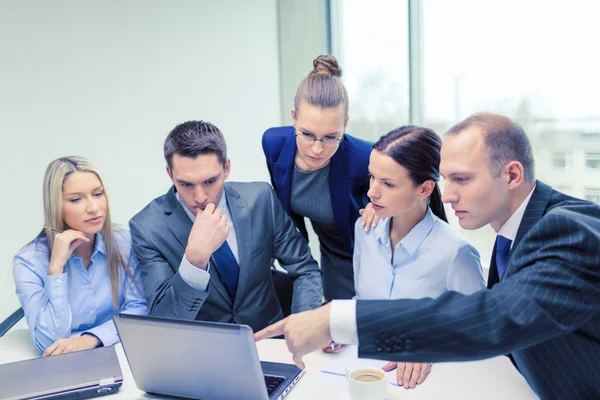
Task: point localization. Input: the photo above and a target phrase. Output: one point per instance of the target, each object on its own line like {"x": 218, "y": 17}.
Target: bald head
{"x": 505, "y": 141}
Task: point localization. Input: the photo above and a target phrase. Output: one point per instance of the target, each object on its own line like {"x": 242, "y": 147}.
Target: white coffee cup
{"x": 367, "y": 383}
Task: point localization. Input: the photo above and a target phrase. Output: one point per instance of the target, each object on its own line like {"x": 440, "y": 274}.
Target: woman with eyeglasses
{"x": 319, "y": 172}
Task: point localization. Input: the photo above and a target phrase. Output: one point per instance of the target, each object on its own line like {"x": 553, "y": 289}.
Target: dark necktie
{"x": 502, "y": 253}
{"x": 228, "y": 268}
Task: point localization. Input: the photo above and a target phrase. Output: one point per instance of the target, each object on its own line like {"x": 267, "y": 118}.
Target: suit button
{"x": 399, "y": 345}
{"x": 379, "y": 349}
{"x": 408, "y": 344}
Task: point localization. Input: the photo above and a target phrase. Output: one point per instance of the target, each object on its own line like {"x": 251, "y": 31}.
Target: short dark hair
{"x": 195, "y": 138}
{"x": 418, "y": 150}
{"x": 505, "y": 141}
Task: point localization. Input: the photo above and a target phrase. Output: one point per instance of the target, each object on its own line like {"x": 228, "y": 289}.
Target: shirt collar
{"x": 222, "y": 206}
{"x": 415, "y": 237}
{"x": 99, "y": 247}
{"x": 511, "y": 226}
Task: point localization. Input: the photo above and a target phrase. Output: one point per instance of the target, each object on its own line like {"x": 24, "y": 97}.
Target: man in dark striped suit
{"x": 544, "y": 303}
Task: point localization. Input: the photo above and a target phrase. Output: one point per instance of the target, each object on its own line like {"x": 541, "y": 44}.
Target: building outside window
{"x": 592, "y": 160}
{"x": 495, "y": 63}
{"x": 592, "y": 194}
{"x": 562, "y": 160}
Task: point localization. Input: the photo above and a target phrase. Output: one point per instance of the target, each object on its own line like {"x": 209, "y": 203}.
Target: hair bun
{"x": 326, "y": 65}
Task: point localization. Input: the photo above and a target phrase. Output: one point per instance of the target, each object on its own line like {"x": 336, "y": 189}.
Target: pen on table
{"x": 52, "y": 229}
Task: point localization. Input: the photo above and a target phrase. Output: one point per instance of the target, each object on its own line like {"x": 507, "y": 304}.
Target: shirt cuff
{"x": 106, "y": 333}
{"x": 342, "y": 322}
{"x": 57, "y": 292}
{"x": 193, "y": 276}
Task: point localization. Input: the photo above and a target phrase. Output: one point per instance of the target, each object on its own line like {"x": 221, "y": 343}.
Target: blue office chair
{"x": 11, "y": 321}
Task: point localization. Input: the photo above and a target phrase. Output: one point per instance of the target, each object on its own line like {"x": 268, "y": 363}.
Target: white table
{"x": 495, "y": 378}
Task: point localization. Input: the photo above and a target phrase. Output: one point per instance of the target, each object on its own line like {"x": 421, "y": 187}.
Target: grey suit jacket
{"x": 545, "y": 310}
{"x": 264, "y": 231}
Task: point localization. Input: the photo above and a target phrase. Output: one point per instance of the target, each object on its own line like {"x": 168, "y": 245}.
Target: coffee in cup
{"x": 367, "y": 383}
{"x": 367, "y": 376}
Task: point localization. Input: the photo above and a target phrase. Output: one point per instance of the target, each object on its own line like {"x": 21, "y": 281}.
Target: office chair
{"x": 284, "y": 287}
{"x": 11, "y": 321}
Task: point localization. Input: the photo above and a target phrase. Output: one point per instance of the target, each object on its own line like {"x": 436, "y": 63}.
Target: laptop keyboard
{"x": 273, "y": 383}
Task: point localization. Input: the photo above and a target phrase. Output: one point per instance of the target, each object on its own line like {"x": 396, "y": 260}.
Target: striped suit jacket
{"x": 545, "y": 310}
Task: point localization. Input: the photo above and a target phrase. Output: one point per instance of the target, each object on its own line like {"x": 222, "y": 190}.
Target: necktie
{"x": 228, "y": 268}
{"x": 502, "y": 253}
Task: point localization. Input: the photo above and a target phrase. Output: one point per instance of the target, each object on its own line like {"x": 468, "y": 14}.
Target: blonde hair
{"x": 56, "y": 174}
{"x": 323, "y": 86}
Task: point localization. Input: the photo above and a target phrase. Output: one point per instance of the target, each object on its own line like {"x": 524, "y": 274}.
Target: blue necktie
{"x": 228, "y": 268}
{"x": 502, "y": 253}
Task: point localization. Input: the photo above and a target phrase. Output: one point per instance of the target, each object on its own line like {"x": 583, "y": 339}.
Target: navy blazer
{"x": 545, "y": 310}
{"x": 348, "y": 177}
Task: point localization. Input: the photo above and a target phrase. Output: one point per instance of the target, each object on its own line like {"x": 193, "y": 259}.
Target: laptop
{"x": 77, "y": 375}
{"x": 200, "y": 360}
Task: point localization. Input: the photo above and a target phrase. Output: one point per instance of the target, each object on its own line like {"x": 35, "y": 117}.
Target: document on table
{"x": 347, "y": 358}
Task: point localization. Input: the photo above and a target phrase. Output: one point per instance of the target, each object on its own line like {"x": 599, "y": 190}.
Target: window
{"x": 482, "y": 56}
{"x": 592, "y": 194}
{"x": 373, "y": 54}
{"x": 592, "y": 160}
{"x": 561, "y": 160}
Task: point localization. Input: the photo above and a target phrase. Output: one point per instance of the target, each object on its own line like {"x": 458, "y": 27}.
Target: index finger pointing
{"x": 298, "y": 361}
{"x": 270, "y": 331}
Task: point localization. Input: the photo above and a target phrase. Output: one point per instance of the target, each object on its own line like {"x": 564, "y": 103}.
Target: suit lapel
{"x": 493, "y": 273}
{"x": 283, "y": 169}
{"x": 535, "y": 210}
{"x": 339, "y": 190}
{"x": 533, "y": 213}
{"x": 242, "y": 221}
{"x": 177, "y": 220}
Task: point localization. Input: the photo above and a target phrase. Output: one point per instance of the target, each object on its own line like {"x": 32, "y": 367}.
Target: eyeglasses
{"x": 326, "y": 141}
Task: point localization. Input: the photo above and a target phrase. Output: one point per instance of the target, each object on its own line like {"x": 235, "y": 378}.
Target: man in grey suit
{"x": 206, "y": 247}
{"x": 545, "y": 309}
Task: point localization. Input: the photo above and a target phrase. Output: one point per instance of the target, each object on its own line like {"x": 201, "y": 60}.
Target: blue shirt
{"x": 431, "y": 259}
{"x": 80, "y": 299}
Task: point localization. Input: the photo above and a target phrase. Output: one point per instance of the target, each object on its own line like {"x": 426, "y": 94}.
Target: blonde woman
{"x": 79, "y": 269}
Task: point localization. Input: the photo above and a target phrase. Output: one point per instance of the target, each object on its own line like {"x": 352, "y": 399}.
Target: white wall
{"x": 108, "y": 79}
